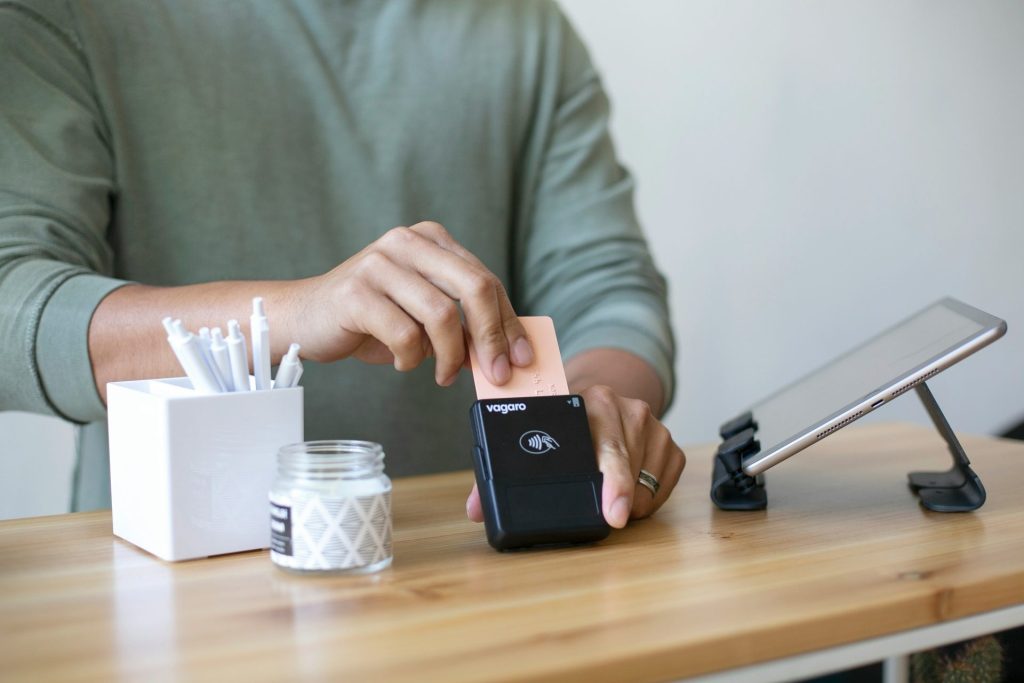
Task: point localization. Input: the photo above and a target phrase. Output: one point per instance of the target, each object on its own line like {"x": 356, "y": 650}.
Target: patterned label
{"x": 315, "y": 532}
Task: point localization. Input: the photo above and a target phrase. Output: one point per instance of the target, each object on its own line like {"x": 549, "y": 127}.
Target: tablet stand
{"x": 956, "y": 490}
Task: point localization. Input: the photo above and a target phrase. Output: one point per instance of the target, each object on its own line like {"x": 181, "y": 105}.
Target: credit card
{"x": 545, "y": 376}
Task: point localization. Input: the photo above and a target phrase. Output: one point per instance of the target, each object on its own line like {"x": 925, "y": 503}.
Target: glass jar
{"x": 330, "y": 508}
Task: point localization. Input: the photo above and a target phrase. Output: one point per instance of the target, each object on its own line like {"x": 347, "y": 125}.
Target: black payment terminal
{"x": 536, "y": 471}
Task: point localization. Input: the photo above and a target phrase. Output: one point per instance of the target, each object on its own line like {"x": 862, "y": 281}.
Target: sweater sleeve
{"x": 56, "y": 186}
{"x": 582, "y": 256}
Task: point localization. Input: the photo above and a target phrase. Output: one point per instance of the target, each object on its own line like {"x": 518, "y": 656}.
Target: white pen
{"x": 260, "y": 331}
{"x": 186, "y": 347}
{"x": 221, "y": 360}
{"x": 298, "y": 374}
{"x": 204, "y": 344}
{"x": 239, "y": 357}
{"x": 290, "y": 369}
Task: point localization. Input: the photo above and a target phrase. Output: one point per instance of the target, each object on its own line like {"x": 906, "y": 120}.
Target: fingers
{"x": 474, "y": 510}
{"x": 494, "y": 331}
{"x": 627, "y": 437}
{"x": 437, "y": 313}
{"x": 613, "y": 457}
{"x": 424, "y": 274}
{"x": 520, "y": 349}
{"x": 389, "y": 324}
{"x": 640, "y": 427}
{"x": 665, "y": 461}
{"x": 670, "y": 475}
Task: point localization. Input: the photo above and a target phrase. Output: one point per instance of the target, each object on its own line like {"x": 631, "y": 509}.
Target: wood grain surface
{"x": 843, "y": 553}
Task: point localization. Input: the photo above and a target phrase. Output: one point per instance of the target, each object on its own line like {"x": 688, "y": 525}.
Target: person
{"x": 180, "y": 158}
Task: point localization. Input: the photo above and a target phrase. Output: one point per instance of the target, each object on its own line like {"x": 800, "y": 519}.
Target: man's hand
{"x": 396, "y": 301}
{"x": 627, "y": 437}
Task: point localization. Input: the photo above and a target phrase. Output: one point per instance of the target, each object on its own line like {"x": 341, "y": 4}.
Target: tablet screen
{"x": 881, "y": 364}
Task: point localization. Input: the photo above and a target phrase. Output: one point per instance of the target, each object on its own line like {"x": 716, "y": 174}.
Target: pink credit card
{"x": 545, "y": 376}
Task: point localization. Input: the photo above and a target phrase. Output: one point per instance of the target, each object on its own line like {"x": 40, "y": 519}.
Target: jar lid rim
{"x": 332, "y": 447}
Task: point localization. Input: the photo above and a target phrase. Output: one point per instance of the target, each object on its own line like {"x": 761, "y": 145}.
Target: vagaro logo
{"x": 537, "y": 442}
{"x": 505, "y": 408}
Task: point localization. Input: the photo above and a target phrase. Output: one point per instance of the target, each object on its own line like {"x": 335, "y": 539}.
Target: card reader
{"x": 536, "y": 471}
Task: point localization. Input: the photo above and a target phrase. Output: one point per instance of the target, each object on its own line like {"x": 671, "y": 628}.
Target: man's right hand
{"x": 396, "y": 302}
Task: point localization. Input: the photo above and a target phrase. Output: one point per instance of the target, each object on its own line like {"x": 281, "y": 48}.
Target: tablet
{"x": 866, "y": 378}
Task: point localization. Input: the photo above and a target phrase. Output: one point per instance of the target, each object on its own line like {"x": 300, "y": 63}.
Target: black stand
{"x": 956, "y": 490}
{"x": 731, "y": 488}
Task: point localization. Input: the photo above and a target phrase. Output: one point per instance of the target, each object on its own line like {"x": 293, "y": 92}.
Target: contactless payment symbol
{"x": 537, "y": 442}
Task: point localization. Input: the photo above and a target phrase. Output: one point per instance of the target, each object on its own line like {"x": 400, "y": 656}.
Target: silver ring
{"x": 649, "y": 480}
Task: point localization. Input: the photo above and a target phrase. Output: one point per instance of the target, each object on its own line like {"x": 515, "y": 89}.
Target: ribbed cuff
{"x": 62, "y": 346}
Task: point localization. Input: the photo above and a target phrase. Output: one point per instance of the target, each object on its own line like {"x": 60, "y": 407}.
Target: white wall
{"x": 808, "y": 173}
{"x": 812, "y": 172}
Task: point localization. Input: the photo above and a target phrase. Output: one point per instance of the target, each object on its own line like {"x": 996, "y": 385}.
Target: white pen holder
{"x": 190, "y": 472}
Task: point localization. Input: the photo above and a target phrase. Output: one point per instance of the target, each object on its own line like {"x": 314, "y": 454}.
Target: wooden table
{"x": 844, "y": 559}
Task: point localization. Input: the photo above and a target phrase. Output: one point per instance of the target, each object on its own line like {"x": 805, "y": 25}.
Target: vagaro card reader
{"x": 536, "y": 471}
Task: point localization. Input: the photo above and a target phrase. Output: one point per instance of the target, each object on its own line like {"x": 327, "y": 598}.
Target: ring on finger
{"x": 649, "y": 481}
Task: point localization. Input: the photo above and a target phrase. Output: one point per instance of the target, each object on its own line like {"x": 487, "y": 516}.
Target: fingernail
{"x": 522, "y": 352}
{"x": 619, "y": 512}
{"x": 501, "y": 369}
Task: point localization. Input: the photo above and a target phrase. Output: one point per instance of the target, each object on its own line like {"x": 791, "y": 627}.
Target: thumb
{"x": 612, "y": 456}
{"x": 473, "y": 508}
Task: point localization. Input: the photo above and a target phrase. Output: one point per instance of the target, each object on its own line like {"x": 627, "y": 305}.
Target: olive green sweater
{"x": 172, "y": 142}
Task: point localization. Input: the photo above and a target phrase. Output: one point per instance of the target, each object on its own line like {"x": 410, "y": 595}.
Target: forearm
{"x": 393, "y": 302}
{"x": 627, "y": 374}
{"x": 127, "y": 341}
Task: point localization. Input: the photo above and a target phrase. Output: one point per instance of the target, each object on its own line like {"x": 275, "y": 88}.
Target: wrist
{"x": 626, "y": 373}
{"x": 288, "y": 313}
